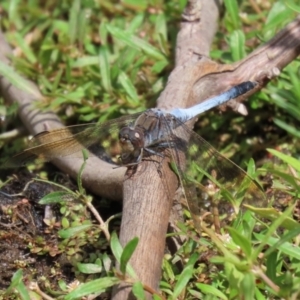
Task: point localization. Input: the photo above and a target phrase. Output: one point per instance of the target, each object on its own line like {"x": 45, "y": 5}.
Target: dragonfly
{"x": 129, "y": 140}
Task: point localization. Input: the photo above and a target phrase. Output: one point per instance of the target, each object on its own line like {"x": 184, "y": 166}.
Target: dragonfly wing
{"x": 101, "y": 139}
{"x": 210, "y": 179}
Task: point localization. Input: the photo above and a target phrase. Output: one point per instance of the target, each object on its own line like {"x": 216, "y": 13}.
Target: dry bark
{"x": 146, "y": 203}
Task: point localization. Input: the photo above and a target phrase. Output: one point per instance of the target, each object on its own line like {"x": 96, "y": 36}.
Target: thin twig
{"x": 34, "y": 287}
{"x": 103, "y": 225}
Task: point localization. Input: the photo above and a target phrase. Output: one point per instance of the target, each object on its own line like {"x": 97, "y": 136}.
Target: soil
{"x": 27, "y": 242}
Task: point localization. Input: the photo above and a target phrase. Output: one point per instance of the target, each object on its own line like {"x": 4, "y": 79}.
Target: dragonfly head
{"x": 132, "y": 143}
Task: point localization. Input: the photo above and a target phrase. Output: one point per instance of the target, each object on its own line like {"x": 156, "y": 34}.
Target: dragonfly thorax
{"x": 132, "y": 144}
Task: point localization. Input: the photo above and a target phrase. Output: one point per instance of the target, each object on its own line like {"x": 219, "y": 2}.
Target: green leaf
{"x": 271, "y": 265}
{"x": 274, "y": 226}
{"x": 63, "y": 285}
{"x": 259, "y": 295}
{"x": 210, "y": 290}
{"x": 56, "y": 197}
{"x": 16, "y": 80}
{"x": 93, "y": 287}
{"x": 125, "y": 62}
{"x": 21, "y": 42}
{"x": 128, "y": 87}
{"x": 105, "y": 69}
{"x": 272, "y": 214}
{"x": 85, "y": 61}
{"x": 286, "y": 99}
{"x": 89, "y": 268}
{"x": 57, "y": 80}
{"x": 65, "y": 223}
{"x": 287, "y": 248}
{"x": 290, "y": 129}
{"x": 127, "y": 253}
{"x": 161, "y": 28}
{"x": 67, "y": 233}
{"x": 295, "y": 163}
{"x": 136, "y": 4}
{"x": 138, "y": 291}
{"x": 286, "y": 285}
{"x": 82, "y": 25}
{"x": 193, "y": 259}
{"x": 183, "y": 279}
{"x": 292, "y": 5}
{"x": 159, "y": 66}
{"x": 233, "y": 11}
{"x": 16, "y": 279}
{"x": 116, "y": 247}
{"x": 237, "y": 45}
{"x": 73, "y": 20}
{"x": 136, "y": 22}
{"x": 284, "y": 239}
{"x": 241, "y": 241}
{"x": 233, "y": 275}
{"x": 23, "y": 292}
{"x": 293, "y": 77}
{"x": 85, "y": 155}
{"x": 168, "y": 270}
{"x": 247, "y": 287}
{"x": 13, "y": 10}
{"x": 135, "y": 42}
{"x": 251, "y": 168}
{"x": 277, "y": 16}
{"x": 18, "y": 285}
{"x": 117, "y": 251}
{"x": 290, "y": 179}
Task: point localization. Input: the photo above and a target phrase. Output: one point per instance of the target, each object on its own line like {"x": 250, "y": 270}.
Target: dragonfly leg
{"x": 162, "y": 156}
{"x": 149, "y": 150}
{"x": 124, "y": 158}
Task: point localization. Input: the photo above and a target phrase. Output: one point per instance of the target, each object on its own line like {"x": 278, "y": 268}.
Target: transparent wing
{"x": 101, "y": 139}
{"x": 211, "y": 181}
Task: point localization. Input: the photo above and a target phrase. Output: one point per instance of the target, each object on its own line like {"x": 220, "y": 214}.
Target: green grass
{"x": 91, "y": 69}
